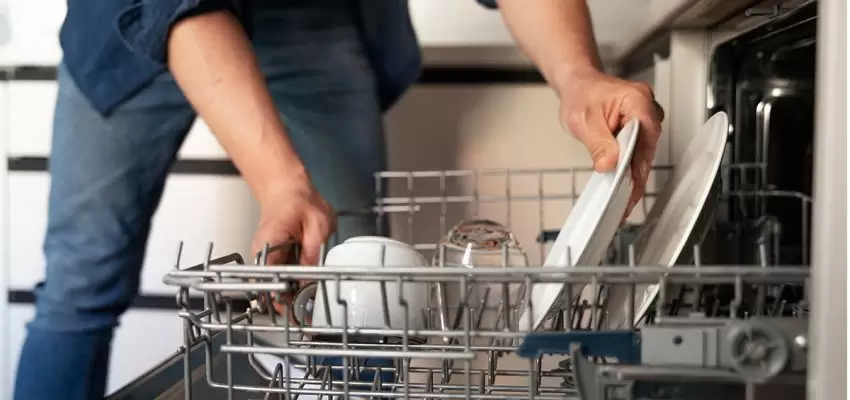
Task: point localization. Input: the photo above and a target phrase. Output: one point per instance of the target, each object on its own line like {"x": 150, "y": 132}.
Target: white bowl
{"x": 362, "y": 297}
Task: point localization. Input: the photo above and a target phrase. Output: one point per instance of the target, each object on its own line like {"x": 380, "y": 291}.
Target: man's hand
{"x": 214, "y": 64}
{"x": 594, "y": 106}
{"x": 558, "y": 36}
{"x": 294, "y": 212}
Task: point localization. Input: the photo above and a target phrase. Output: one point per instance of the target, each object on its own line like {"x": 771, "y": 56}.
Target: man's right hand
{"x": 294, "y": 211}
{"x": 214, "y": 64}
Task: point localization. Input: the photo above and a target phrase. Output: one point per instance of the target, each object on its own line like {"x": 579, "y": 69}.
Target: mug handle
{"x": 283, "y": 303}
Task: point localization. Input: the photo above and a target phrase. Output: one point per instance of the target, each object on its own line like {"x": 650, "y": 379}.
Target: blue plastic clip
{"x": 621, "y": 345}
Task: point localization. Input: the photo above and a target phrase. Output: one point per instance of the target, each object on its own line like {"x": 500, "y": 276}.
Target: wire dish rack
{"x": 730, "y": 322}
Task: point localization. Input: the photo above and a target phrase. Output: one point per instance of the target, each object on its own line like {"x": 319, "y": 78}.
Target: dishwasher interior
{"x": 732, "y": 320}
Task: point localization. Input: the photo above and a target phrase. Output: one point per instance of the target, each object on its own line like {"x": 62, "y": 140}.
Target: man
{"x": 294, "y": 91}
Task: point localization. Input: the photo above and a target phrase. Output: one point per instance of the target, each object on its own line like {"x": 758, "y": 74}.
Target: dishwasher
{"x": 732, "y": 320}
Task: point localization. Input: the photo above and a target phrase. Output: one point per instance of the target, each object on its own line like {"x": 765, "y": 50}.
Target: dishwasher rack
{"x": 721, "y": 328}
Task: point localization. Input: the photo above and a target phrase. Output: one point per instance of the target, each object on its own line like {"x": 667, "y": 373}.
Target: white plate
{"x": 589, "y": 228}
{"x": 672, "y": 222}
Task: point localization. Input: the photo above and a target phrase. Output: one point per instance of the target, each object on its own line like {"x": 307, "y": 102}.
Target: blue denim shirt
{"x": 113, "y": 48}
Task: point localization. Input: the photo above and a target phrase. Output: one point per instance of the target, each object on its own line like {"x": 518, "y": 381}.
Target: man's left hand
{"x": 594, "y": 106}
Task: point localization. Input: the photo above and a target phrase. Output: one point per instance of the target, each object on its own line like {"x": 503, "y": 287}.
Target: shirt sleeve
{"x": 489, "y": 3}
{"x": 145, "y": 25}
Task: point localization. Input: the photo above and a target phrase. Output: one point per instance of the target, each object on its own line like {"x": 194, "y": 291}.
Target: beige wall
{"x": 481, "y": 128}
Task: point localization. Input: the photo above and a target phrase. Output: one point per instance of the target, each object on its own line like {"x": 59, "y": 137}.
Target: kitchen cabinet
{"x": 196, "y": 210}
{"x": 143, "y": 339}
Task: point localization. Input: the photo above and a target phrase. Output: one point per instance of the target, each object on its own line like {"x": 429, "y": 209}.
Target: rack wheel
{"x": 755, "y": 350}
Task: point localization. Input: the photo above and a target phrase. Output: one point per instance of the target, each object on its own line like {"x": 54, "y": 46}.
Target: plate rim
{"x": 702, "y": 199}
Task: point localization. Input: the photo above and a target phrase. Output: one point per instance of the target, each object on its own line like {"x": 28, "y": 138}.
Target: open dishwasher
{"x": 731, "y": 320}
{"x": 729, "y": 326}
{"x": 716, "y": 330}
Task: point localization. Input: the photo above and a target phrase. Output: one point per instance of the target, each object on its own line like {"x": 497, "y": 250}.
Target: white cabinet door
{"x": 194, "y": 209}
{"x": 31, "y": 121}
{"x": 144, "y": 339}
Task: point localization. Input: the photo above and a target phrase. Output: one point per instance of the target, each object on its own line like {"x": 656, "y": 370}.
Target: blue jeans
{"x": 107, "y": 176}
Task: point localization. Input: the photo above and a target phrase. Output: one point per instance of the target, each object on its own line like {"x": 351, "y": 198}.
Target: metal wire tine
{"x": 578, "y": 315}
{"x": 529, "y": 303}
{"x": 482, "y": 383}
{"x": 463, "y": 307}
{"x": 505, "y": 300}
{"x": 269, "y": 300}
{"x": 593, "y": 306}
{"x": 492, "y": 361}
{"x": 282, "y": 383}
{"x": 463, "y": 315}
{"x": 558, "y": 321}
{"x": 323, "y": 249}
{"x": 568, "y": 289}
{"x": 761, "y": 290}
{"x": 385, "y": 309}
{"x": 188, "y": 343}
{"x": 229, "y": 356}
{"x": 540, "y": 211}
{"x": 179, "y": 255}
{"x": 412, "y": 205}
{"x": 479, "y": 314}
{"x": 379, "y": 202}
{"x": 537, "y": 374}
{"x": 264, "y": 255}
{"x": 208, "y": 258}
{"x": 807, "y": 288}
{"x": 737, "y": 301}
{"x": 781, "y": 309}
{"x": 324, "y": 289}
{"x": 327, "y": 382}
{"x": 312, "y": 369}
{"x": 344, "y": 304}
{"x": 442, "y": 306}
{"x": 355, "y": 368}
{"x": 532, "y": 381}
{"x": 699, "y": 288}
{"x": 210, "y": 298}
{"x": 632, "y": 288}
{"x": 573, "y": 194}
{"x": 377, "y": 385}
{"x": 467, "y": 340}
{"x": 662, "y": 298}
{"x": 405, "y": 339}
{"x": 805, "y": 231}
{"x": 443, "y": 202}
{"x": 601, "y": 295}
{"x": 476, "y": 197}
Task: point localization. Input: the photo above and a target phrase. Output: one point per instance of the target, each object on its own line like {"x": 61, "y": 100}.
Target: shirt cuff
{"x": 145, "y": 26}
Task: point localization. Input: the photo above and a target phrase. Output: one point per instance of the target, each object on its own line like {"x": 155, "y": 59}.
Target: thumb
{"x": 605, "y": 153}
{"x": 600, "y": 142}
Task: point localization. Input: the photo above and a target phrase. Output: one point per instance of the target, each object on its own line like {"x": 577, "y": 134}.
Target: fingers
{"x": 650, "y": 114}
{"x": 591, "y": 128}
{"x": 316, "y": 232}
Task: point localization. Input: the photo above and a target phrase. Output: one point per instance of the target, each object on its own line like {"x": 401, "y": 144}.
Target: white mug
{"x": 364, "y": 302}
